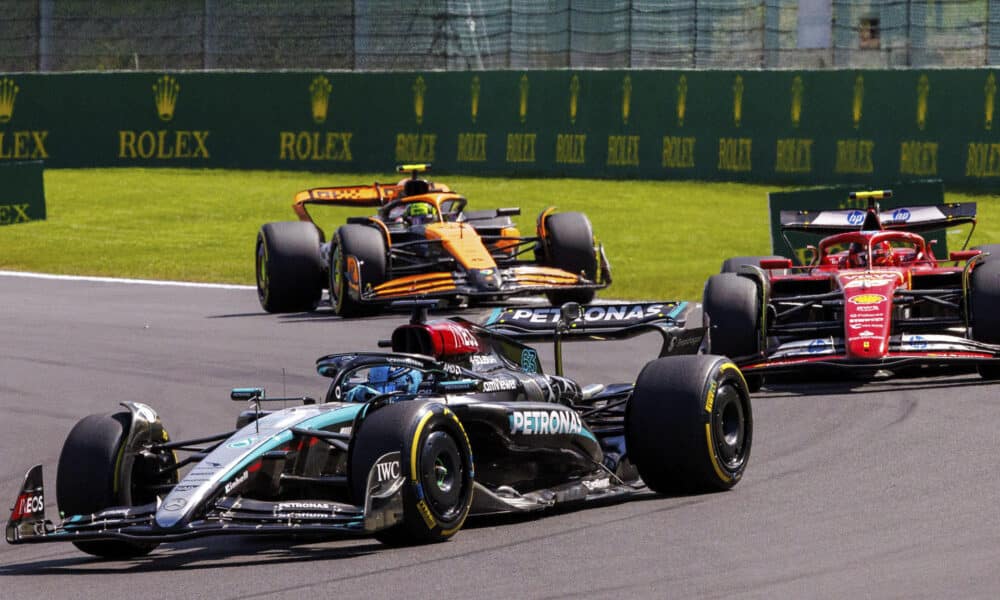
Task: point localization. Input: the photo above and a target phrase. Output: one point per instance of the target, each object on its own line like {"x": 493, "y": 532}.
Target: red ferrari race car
{"x": 422, "y": 243}
{"x": 872, "y": 300}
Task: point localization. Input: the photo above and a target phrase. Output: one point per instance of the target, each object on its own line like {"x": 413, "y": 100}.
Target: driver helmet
{"x": 419, "y": 212}
{"x": 387, "y": 379}
{"x": 882, "y": 254}
{"x": 384, "y": 379}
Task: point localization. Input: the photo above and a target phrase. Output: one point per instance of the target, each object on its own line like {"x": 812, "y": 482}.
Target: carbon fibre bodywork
{"x": 538, "y": 440}
{"x": 873, "y": 300}
{"x": 444, "y": 251}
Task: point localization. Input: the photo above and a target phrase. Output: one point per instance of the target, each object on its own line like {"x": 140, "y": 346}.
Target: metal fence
{"x": 99, "y": 35}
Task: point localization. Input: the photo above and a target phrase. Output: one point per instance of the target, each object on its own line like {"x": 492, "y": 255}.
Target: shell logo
{"x": 868, "y": 299}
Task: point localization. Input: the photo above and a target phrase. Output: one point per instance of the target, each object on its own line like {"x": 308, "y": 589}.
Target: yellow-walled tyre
{"x": 358, "y": 257}
{"x": 689, "y": 424}
{"x": 435, "y": 461}
{"x": 88, "y": 478}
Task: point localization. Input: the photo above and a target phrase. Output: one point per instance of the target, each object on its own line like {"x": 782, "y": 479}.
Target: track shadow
{"x": 876, "y": 386}
{"x": 327, "y": 314}
{"x": 192, "y": 556}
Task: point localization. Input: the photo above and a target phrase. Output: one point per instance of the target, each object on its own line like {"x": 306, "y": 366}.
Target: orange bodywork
{"x": 462, "y": 242}
{"x": 376, "y": 194}
{"x": 532, "y": 276}
{"x": 415, "y": 284}
{"x": 509, "y": 240}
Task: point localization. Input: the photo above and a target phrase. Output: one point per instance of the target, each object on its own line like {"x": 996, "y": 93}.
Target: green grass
{"x": 663, "y": 238}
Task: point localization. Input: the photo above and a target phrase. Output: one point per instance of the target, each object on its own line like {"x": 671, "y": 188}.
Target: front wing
{"x": 224, "y": 516}
{"x": 241, "y": 516}
{"x": 507, "y": 282}
{"x": 904, "y": 352}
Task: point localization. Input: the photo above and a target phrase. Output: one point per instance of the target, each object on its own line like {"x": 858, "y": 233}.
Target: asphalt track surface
{"x": 886, "y": 490}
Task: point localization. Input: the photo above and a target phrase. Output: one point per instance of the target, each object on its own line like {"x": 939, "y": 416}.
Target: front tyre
{"x": 689, "y": 424}
{"x": 734, "y": 264}
{"x": 569, "y": 245}
{"x": 357, "y": 258}
{"x": 88, "y": 478}
{"x": 984, "y": 300}
{"x": 289, "y": 267}
{"x": 436, "y": 463}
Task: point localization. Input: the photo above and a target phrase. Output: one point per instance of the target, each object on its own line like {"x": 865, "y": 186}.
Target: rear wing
{"x": 911, "y": 218}
{"x": 679, "y": 323}
{"x": 374, "y": 195}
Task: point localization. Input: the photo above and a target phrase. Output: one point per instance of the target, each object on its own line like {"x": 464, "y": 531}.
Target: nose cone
{"x": 486, "y": 279}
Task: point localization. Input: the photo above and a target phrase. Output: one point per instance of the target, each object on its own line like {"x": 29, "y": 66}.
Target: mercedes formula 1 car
{"x": 458, "y": 419}
{"x": 874, "y": 299}
{"x": 422, "y": 243}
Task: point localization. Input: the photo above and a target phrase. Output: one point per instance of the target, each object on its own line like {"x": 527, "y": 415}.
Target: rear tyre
{"x": 88, "y": 480}
{"x": 357, "y": 251}
{"x": 289, "y": 267}
{"x": 732, "y": 305}
{"x": 984, "y": 300}
{"x": 689, "y": 424}
{"x": 732, "y": 265}
{"x": 569, "y": 243}
{"x": 992, "y": 249}
{"x": 437, "y": 495}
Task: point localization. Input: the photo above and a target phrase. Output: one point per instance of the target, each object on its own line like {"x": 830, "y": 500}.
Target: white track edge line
{"x": 190, "y": 284}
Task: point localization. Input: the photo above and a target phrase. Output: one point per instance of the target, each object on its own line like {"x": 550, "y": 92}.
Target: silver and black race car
{"x": 458, "y": 419}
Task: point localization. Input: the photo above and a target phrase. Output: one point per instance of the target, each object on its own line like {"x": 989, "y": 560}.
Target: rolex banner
{"x": 841, "y": 127}
{"x": 22, "y": 196}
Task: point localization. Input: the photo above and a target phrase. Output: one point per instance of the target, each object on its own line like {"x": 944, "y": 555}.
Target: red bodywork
{"x": 875, "y": 298}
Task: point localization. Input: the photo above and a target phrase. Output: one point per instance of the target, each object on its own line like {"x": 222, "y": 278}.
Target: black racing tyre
{"x": 992, "y": 249}
{"x": 289, "y": 267}
{"x": 984, "y": 300}
{"x": 569, "y": 245}
{"x": 732, "y": 265}
{"x": 438, "y": 494}
{"x": 689, "y": 424}
{"x": 732, "y": 306}
{"x": 87, "y": 480}
{"x": 367, "y": 246}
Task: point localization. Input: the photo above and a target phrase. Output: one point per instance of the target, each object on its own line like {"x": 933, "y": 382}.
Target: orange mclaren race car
{"x": 422, "y": 243}
{"x": 873, "y": 300}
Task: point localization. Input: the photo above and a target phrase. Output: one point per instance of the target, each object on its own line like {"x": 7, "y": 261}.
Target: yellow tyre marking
{"x": 710, "y": 399}
{"x": 730, "y": 366}
{"x": 709, "y": 403}
{"x": 711, "y": 455}
{"x": 416, "y": 438}
{"x": 461, "y": 522}
{"x": 422, "y": 507}
{"x": 425, "y": 512}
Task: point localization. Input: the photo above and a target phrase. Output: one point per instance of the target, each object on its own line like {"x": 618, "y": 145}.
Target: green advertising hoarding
{"x": 22, "y": 192}
{"x": 805, "y": 127}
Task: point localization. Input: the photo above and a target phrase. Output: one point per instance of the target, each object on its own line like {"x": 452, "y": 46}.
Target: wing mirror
{"x": 963, "y": 254}
{"x": 246, "y": 394}
{"x": 568, "y": 312}
{"x": 508, "y": 212}
{"x": 776, "y": 263}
